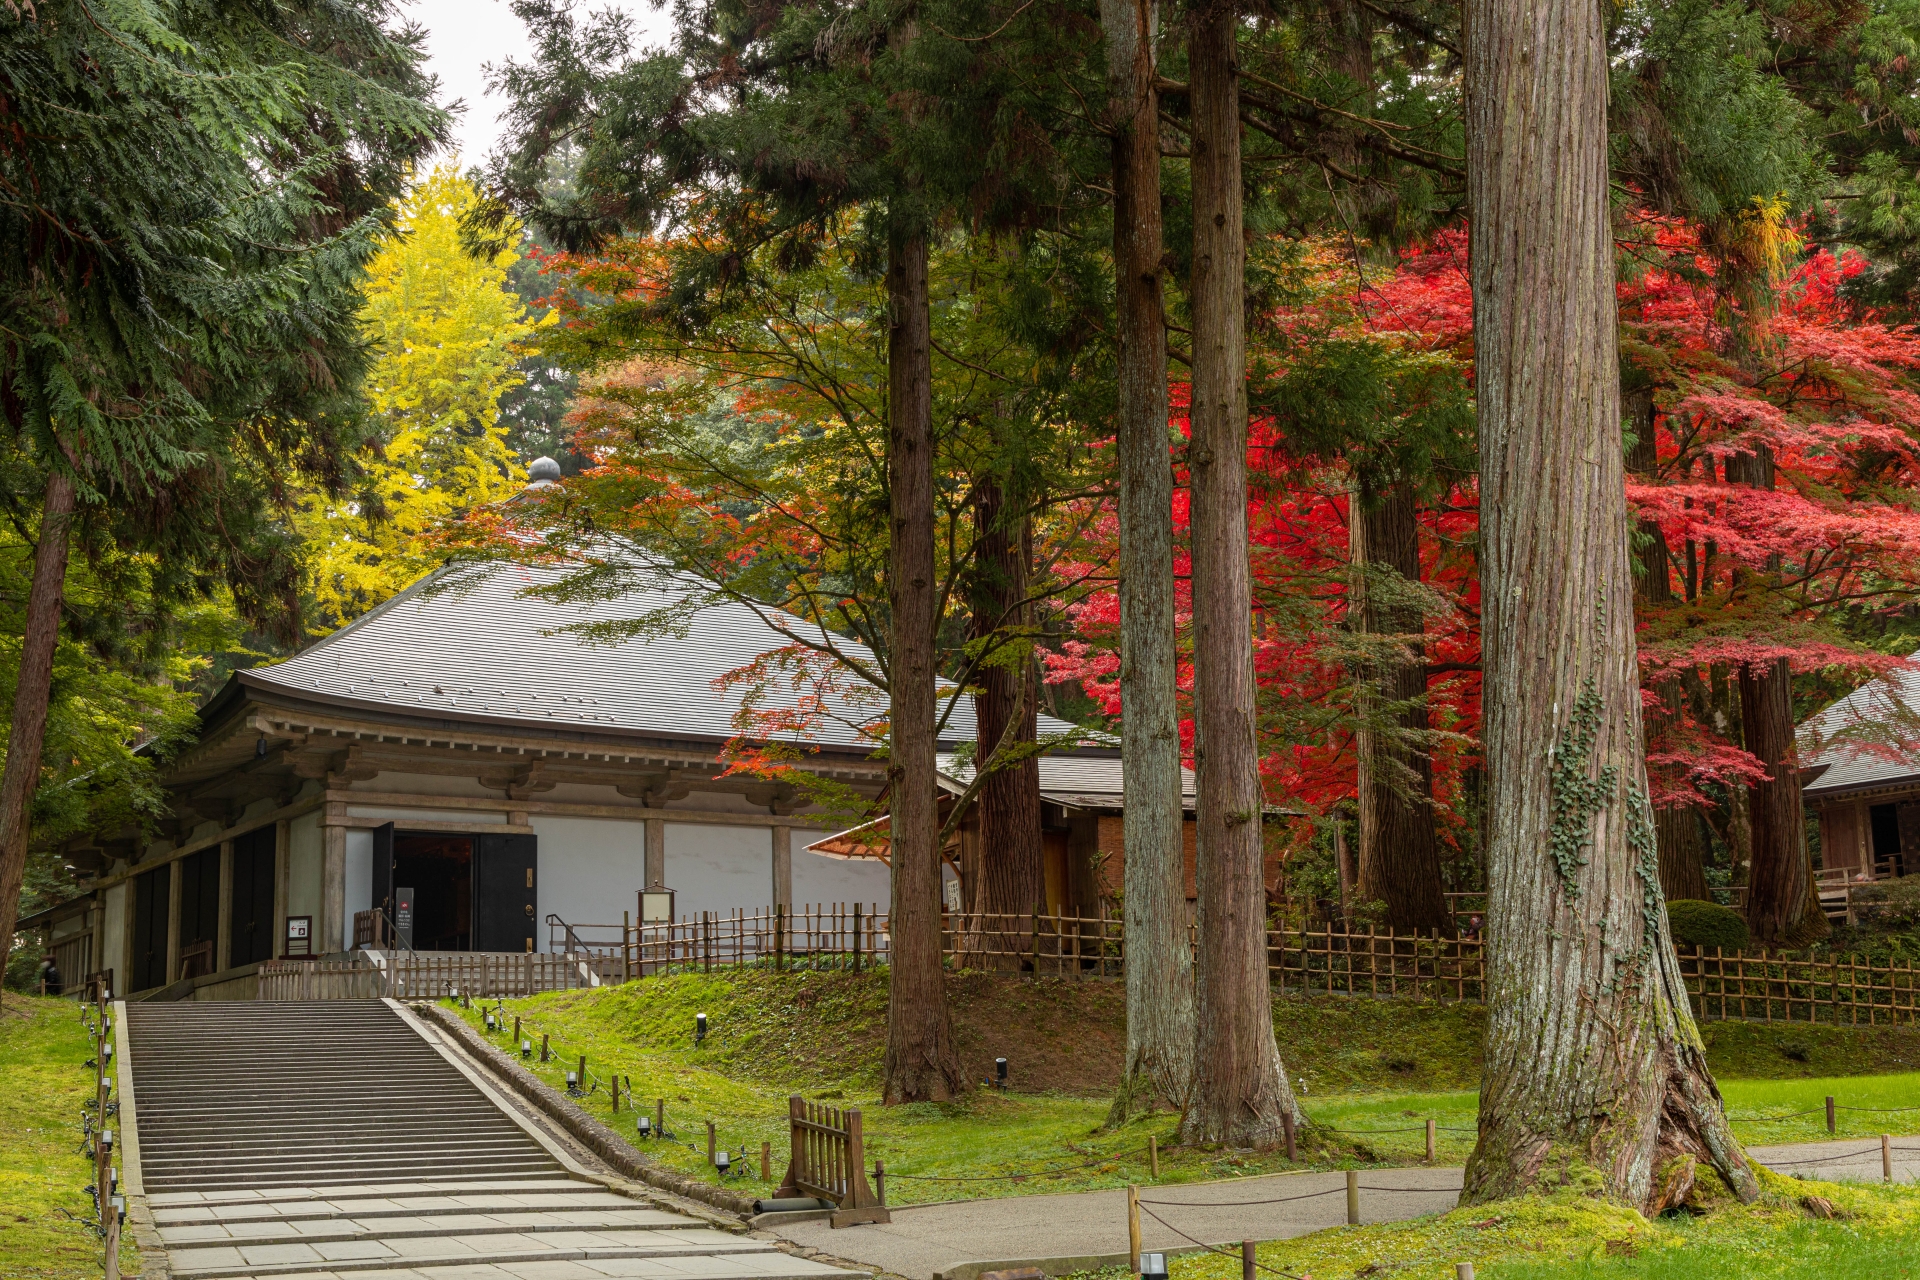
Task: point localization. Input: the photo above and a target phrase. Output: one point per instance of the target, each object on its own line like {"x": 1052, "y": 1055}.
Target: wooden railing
{"x": 430, "y": 975}
{"x": 354, "y": 979}
{"x": 1767, "y": 988}
{"x": 828, "y": 1160}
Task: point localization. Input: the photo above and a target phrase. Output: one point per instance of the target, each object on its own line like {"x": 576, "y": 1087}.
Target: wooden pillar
{"x": 656, "y": 854}
{"x": 783, "y": 867}
{"x": 222, "y": 938}
{"x": 333, "y": 880}
{"x": 175, "y": 871}
{"x": 281, "y": 846}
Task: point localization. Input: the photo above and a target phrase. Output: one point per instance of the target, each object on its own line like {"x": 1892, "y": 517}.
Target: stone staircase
{"x": 332, "y": 1141}
{"x": 239, "y": 1093}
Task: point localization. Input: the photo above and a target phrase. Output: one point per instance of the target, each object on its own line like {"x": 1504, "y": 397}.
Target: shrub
{"x": 1890, "y": 904}
{"x": 1706, "y": 924}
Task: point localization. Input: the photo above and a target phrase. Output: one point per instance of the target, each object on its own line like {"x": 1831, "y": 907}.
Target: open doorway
{"x": 439, "y": 870}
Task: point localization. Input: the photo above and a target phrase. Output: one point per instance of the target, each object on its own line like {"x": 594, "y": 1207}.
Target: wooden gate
{"x": 829, "y": 1161}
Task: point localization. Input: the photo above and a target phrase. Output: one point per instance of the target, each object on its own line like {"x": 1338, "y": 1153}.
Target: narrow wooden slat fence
{"x": 354, "y": 979}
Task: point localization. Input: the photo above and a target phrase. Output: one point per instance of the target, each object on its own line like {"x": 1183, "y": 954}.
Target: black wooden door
{"x": 504, "y": 880}
{"x": 152, "y": 907}
{"x": 250, "y": 925}
{"x": 383, "y": 870}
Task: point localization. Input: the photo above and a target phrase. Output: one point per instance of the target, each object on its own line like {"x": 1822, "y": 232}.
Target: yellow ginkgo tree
{"x": 448, "y": 332}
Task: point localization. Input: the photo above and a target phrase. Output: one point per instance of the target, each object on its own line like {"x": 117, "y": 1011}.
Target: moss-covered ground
{"x": 1371, "y": 1072}
{"x": 43, "y": 1176}
{"x": 1874, "y": 1235}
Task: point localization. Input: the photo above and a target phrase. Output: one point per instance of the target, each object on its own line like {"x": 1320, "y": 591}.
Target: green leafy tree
{"x": 180, "y": 344}
{"x": 448, "y": 335}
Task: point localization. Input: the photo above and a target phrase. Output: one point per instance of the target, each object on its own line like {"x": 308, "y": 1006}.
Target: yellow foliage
{"x": 448, "y": 333}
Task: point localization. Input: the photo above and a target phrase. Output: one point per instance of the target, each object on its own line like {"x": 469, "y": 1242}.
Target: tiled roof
{"x": 1855, "y": 734}
{"x": 1085, "y": 781}
{"x": 484, "y": 651}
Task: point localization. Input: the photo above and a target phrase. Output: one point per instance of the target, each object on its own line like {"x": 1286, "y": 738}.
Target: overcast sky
{"x": 465, "y": 35}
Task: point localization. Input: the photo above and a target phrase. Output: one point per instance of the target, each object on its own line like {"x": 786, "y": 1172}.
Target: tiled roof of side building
{"x": 1088, "y": 781}
{"x": 484, "y": 650}
{"x": 1857, "y": 735}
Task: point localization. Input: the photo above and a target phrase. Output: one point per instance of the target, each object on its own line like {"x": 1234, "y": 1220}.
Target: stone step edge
{"x": 413, "y": 1233}
{"x": 517, "y": 1258}
{"x": 361, "y": 1181}
{"x": 532, "y": 1186}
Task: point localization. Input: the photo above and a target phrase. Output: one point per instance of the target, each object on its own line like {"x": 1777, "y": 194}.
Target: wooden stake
{"x": 1430, "y": 1137}
{"x": 1133, "y": 1228}
{"x": 1153, "y": 1155}
{"x": 1886, "y": 1157}
{"x": 880, "y": 1180}
{"x": 1463, "y": 1271}
{"x": 660, "y": 1119}
{"x": 1829, "y": 1115}
{"x": 1353, "y": 1197}
{"x": 1246, "y": 1260}
{"x": 1286, "y": 1127}
{"x": 766, "y": 1161}
{"x": 710, "y": 1147}
{"x": 544, "y": 1054}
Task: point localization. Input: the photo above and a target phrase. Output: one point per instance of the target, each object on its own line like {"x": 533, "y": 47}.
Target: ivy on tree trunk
{"x": 1159, "y": 1064}
{"x": 1594, "y": 1068}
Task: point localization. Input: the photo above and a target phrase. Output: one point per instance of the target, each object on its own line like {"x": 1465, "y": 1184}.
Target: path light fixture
{"x": 721, "y": 1162}
{"x": 699, "y": 1028}
{"x": 526, "y": 1048}
{"x": 644, "y": 1125}
{"x": 492, "y": 1026}
{"x": 120, "y": 1209}
{"x": 573, "y": 1084}
{"x": 106, "y": 1141}
{"x": 1153, "y": 1266}
{"x": 1000, "y": 1072}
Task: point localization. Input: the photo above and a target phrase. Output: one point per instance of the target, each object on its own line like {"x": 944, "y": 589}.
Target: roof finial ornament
{"x": 542, "y": 472}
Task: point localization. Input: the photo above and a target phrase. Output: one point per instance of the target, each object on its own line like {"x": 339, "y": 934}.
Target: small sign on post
{"x": 403, "y": 918}
{"x": 299, "y": 936}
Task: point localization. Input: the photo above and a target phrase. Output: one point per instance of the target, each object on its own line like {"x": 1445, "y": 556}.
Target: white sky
{"x": 465, "y": 35}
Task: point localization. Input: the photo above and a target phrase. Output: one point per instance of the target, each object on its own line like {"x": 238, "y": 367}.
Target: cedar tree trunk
{"x": 1399, "y": 848}
{"x": 1159, "y": 1065}
{"x": 1783, "y": 904}
{"x": 1240, "y": 1090}
{"x": 921, "y": 1063}
{"x": 1012, "y": 872}
{"x": 31, "y": 695}
{"x": 1593, "y": 1061}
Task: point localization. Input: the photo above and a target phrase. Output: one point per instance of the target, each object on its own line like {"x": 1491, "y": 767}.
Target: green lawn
{"x": 43, "y": 1176}
{"x": 1372, "y": 1072}
{"x": 1569, "y": 1236}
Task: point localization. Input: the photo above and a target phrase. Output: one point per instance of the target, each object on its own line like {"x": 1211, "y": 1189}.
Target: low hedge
{"x": 1707, "y": 924}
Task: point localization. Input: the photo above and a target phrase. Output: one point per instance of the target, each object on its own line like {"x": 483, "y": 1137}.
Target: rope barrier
{"x": 1241, "y": 1204}
{"x": 1226, "y": 1253}
{"x": 1847, "y": 1155}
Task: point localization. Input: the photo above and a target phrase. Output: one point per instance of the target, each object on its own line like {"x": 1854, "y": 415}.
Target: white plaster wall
{"x": 820, "y": 879}
{"x": 588, "y": 793}
{"x": 305, "y": 854}
{"x": 113, "y": 934}
{"x": 359, "y": 881}
{"x": 590, "y": 870}
{"x": 713, "y": 868}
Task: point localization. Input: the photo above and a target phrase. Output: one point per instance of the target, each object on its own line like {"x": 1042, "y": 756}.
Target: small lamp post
{"x": 722, "y": 1162}
{"x": 644, "y": 1125}
{"x": 1153, "y": 1266}
{"x": 573, "y": 1084}
{"x": 1000, "y": 1073}
{"x": 526, "y": 1048}
{"x": 699, "y": 1029}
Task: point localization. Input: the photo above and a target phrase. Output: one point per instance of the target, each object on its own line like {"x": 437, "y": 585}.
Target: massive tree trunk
{"x": 1012, "y": 870}
{"x": 1676, "y": 830}
{"x": 1593, "y": 1061}
{"x": 1783, "y": 903}
{"x": 1240, "y": 1090}
{"x": 31, "y": 695}
{"x": 1159, "y": 1063}
{"x": 1399, "y": 847}
{"x": 921, "y": 1063}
